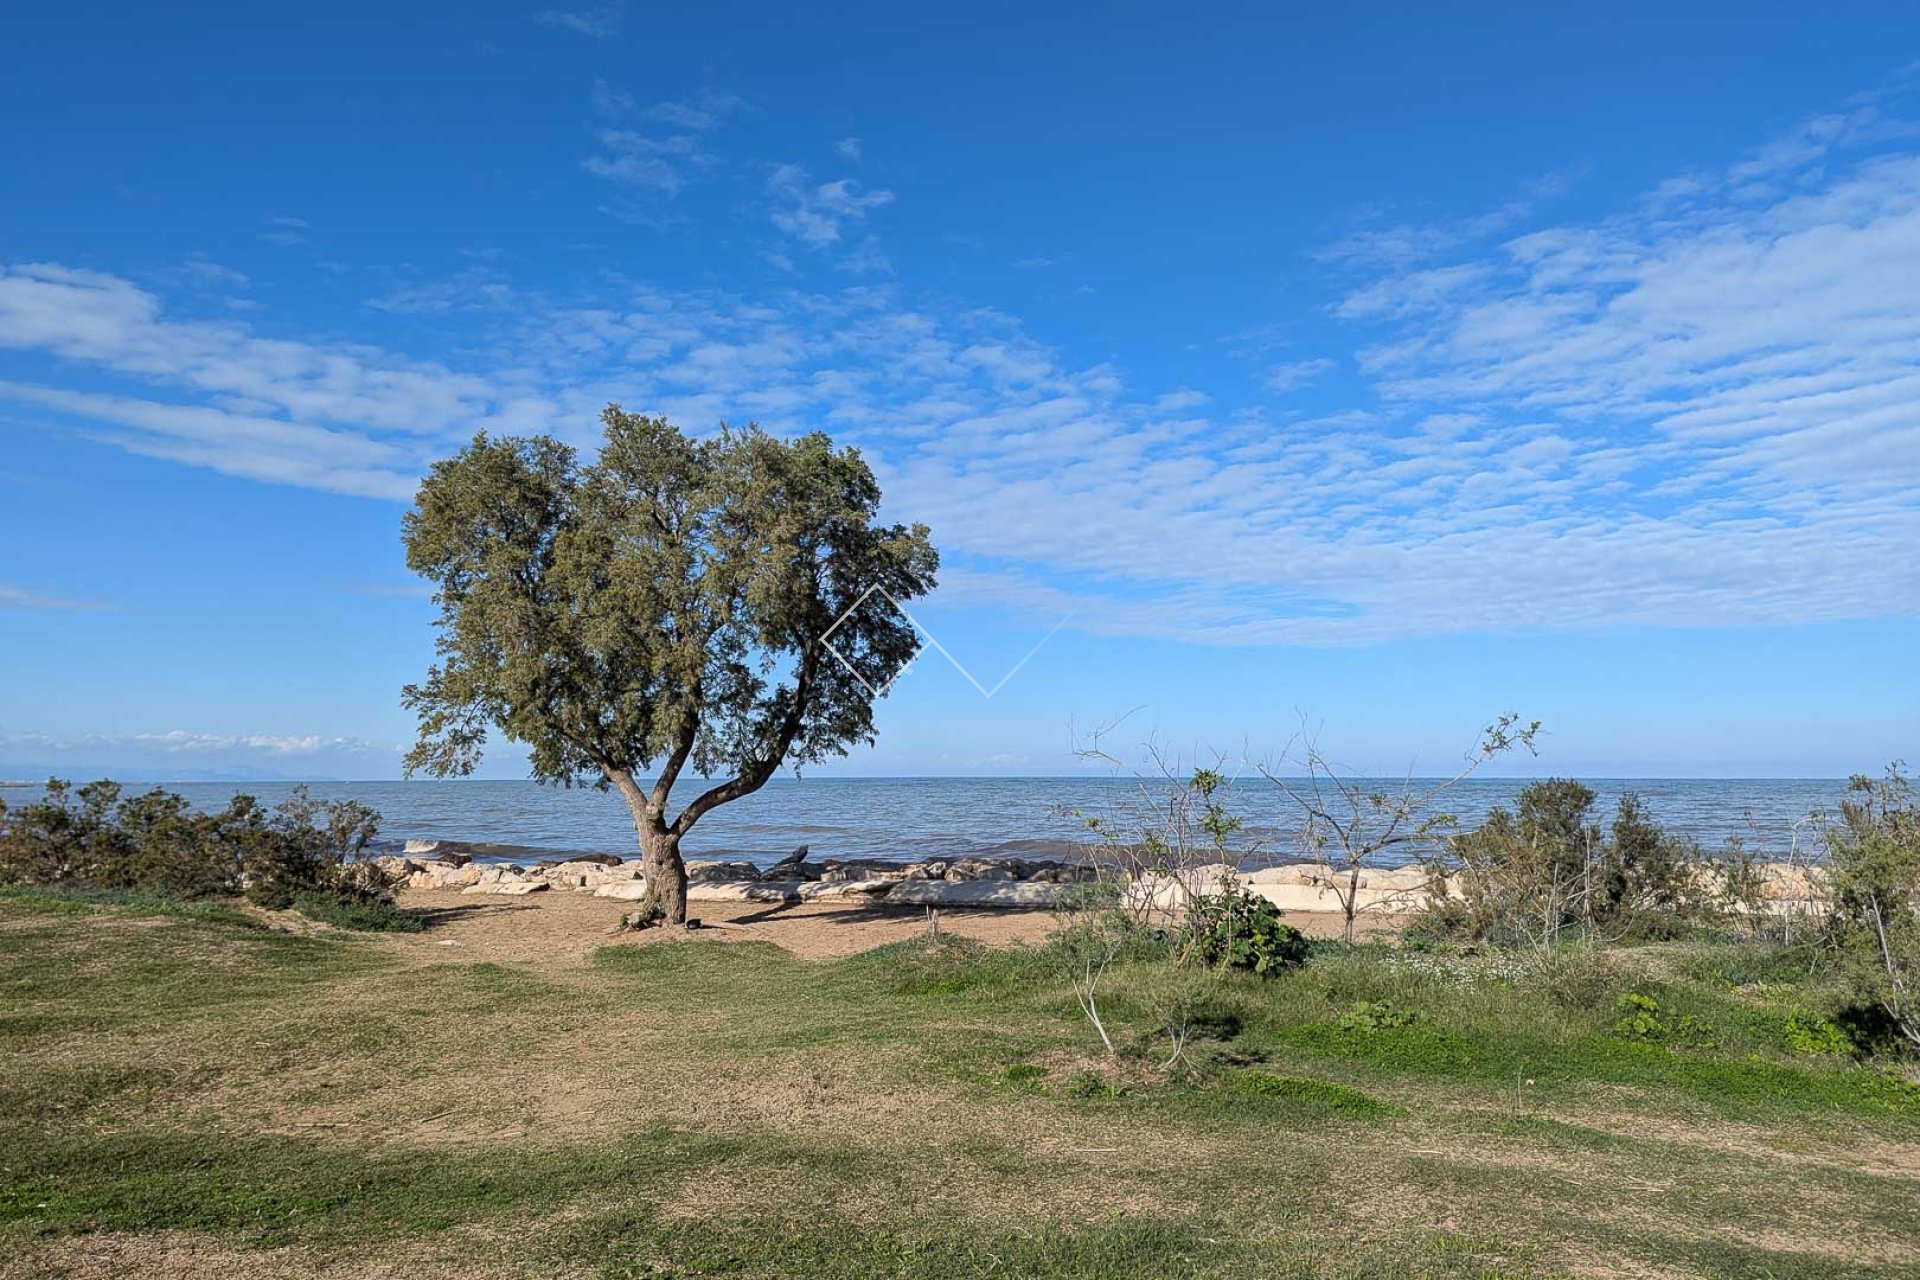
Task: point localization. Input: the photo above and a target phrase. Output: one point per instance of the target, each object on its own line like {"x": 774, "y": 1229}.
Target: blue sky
{"x": 1389, "y": 371}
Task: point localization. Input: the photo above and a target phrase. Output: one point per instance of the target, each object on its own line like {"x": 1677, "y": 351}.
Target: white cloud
{"x": 601, "y": 23}
{"x": 697, "y": 114}
{"x": 1291, "y": 376}
{"x": 184, "y": 754}
{"x": 815, "y": 214}
{"x": 1699, "y": 413}
{"x": 12, "y": 597}
{"x": 348, "y": 418}
{"x": 641, "y": 161}
{"x": 661, "y": 163}
{"x": 848, "y": 149}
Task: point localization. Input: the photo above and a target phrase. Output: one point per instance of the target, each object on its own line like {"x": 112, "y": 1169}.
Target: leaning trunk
{"x": 659, "y": 853}
{"x": 666, "y": 874}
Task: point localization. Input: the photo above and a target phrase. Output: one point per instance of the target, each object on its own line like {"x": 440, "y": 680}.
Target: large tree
{"x": 664, "y": 607}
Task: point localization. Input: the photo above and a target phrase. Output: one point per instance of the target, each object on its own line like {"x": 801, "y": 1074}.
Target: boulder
{"x": 1170, "y": 890}
{"x": 582, "y": 874}
{"x": 865, "y": 890}
{"x": 707, "y": 872}
{"x": 974, "y": 893}
{"x": 835, "y": 871}
{"x": 932, "y": 870}
{"x": 983, "y": 869}
{"x": 440, "y": 875}
{"x": 509, "y": 888}
{"x": 622, "y": 890}
{"x": 744, "y": 891}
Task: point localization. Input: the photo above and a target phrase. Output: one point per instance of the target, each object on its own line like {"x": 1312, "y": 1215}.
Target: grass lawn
{"x": 188, "y": 1093}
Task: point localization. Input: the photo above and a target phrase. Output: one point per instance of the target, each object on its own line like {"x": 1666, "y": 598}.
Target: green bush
{"x": 1236, "y": 929}
{"x": 94, "y": 837}
{"x": 1544, "y": 871}
{"x": 1874, "y": 921}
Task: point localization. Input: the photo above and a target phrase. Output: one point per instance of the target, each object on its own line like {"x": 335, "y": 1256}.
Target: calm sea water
{"x": 913, "y": 818}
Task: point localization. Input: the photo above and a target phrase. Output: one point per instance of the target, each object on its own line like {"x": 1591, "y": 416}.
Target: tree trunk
{"x": 660, "y": 857}
{"x": 666, "y": 873}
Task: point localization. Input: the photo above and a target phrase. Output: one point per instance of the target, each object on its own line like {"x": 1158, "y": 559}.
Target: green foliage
{"x": 1874, "y": 920}
{"x": 1238, "y": 929}
{"x": 374, "y": 916}
{"x": 1643, "y": 1018}
{"x": 1025, "y": 1075}
{"x": 1811, "y": 1034}
{"x": 664, "y": 605}
{"x": 1089, "y": 1085}
{"x": 1376, "y": 1015}
{"x": 95, "y": 838}
{"x": 1543, "y": 870}
{"x": 1580, "y": 976}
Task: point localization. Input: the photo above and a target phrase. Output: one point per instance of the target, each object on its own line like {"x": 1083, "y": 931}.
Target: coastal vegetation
{"x": 1663, "y": 1082}
{"x": 302, "y": 853}
{"x": 728, "y": 605}
{"x": 190, "y": 1090}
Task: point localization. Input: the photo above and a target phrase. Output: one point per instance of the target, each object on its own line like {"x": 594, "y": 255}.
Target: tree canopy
{"x": 666, "y": 606}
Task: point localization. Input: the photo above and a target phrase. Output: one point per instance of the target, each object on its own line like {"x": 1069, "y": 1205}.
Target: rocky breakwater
{"x": 971, "y": 882}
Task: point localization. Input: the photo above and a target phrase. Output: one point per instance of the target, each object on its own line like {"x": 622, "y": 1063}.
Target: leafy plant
{"x": 1239, "y": 929}
{"x": 1643, "y": 1018}
{"x": 1376, "y": 1015}
{"x": 1812, "y": 1034}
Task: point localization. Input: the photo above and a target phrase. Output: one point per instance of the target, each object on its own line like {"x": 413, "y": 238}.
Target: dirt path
{"x": 562, "y": 929}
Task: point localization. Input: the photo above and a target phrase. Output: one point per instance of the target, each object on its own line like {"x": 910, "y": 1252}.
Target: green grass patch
{"x": 1318, "y": 1095}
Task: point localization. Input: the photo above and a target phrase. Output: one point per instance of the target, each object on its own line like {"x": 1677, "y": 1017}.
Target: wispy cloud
{"x": 602, "y": 23}
{"x": 658, "y": 162}
{"x": 285, "y": 230}
{"x": 1620, "y": 422}
{"x": 181, "y": 753}
{"x": 636, "y": 159}
{"x": 816, "y": 214}
{"x": 1293, "y": 375}
{"x": 848, "y": 149}
{"x": 348, "y": 418}
{"x": 12, "y": 597}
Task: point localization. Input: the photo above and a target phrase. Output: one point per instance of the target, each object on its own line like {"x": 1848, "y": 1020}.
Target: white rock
{"x": 975, "y": 893}
{"x": 811, "y": 891}
{"x": 509, "y": 888}
{"x": 745, "y": 891}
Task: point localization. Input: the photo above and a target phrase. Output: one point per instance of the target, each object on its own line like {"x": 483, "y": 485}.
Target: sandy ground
{"x": 544, "y": 927}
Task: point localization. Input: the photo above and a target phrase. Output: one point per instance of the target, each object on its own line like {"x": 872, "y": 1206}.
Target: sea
{"x": 910, "y": 819}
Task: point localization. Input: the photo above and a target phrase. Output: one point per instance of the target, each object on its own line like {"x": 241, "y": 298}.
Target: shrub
{"x": 94, "y": 837}
{"x": 1544, "y": 870}
{"x": 1874, "y": 860}
{"x": 1237, "y": 929}
{"x": 1089, "y": 1085}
